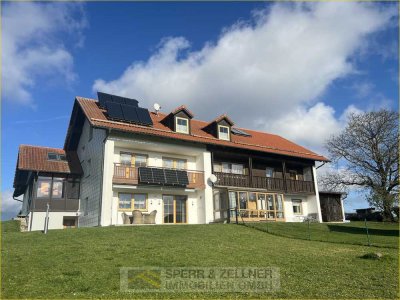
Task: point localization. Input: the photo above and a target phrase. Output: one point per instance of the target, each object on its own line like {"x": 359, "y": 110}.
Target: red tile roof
{"x": 259, "y": 141}
{"x": 35, "y": 158}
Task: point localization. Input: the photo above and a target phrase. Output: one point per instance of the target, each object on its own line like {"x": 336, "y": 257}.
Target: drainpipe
{"x": 321, "y": 165}
{"x": 102, "y": 174}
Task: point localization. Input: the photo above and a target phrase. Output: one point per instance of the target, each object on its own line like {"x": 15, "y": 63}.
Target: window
{"x": 128, "y": 201}
{"x": 56, "y": 156}
{"x": 43, "y": 187}
{"x": 58, "y": 188}
{"x": 131, "y": 159}
{"x": 140, "y": 160}
{"x": 297, "y": 209}
{"x": 174, "y": 210}
{"x": 269, "y": 172}
{"x": 139, "y": 201}
{"x": 269, "y": 206}
{"x": 225, "y": 167}
{"x": 174, "y": 163}
{"x": 223, "y": 132}
{"x": 237, "y": 169}
{"x": 126, "y": 158}
{"x": 125, "y": 201}
{"x": 69, "y": 222}
{"x": 52, "y": 156}
{"x": 181, "y": 125}
{"x": 279, "y": 206}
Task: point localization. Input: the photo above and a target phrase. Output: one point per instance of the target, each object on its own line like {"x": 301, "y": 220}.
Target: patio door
{"x": 174, "y": 209}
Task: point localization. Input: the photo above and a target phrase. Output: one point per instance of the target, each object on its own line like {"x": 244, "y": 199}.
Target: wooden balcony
{"x": 266, "y": 183}
{"x": 126, "y": 174}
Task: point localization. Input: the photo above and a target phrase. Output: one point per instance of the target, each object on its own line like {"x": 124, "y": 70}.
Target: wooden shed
{"x": 331, "y": 206}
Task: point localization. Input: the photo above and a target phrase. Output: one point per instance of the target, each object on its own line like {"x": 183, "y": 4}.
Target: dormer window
{"x": 179, "y": 120}
{"x": 56, "y": 156}
{"x": 182, "y": 125}
{"x": 223, "y": 132}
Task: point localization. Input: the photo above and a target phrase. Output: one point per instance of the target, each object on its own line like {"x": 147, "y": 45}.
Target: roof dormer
{"x": 179, "y": 120}
{"x": 221, "y": 127}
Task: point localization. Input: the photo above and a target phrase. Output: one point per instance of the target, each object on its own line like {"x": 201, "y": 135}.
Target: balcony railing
{"x": 56, "y": 204}
{"x": 126, "y": 174}
{"x": 267, "y": 183}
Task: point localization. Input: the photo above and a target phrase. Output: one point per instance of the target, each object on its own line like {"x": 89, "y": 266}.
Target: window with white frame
{"x": 223, "y": 132}
{"x": 181, "y": 125}
{"x": 297, "y": 206}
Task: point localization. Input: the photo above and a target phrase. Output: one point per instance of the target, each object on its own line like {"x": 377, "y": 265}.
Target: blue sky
{"x": 292, "y": 69}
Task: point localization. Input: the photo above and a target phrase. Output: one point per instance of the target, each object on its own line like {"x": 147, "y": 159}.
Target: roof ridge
{"x": 36, "y": 146}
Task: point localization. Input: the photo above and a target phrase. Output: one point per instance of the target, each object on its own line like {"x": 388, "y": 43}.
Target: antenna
{"x": 156, "y": 107}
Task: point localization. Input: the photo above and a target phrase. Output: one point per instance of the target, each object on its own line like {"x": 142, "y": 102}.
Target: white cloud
{"x": 9, "y": 206}
{"x": 264, "y": 73}
{"x": 32, "y": 47}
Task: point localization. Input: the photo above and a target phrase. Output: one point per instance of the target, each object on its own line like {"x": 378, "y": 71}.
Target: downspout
{"x": 102, "y": 174}
{"x": 321, "y": 165}
{"x": 33, "y": 193}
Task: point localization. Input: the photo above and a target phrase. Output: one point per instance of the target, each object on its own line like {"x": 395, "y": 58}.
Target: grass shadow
{"x": 361, "y": 230}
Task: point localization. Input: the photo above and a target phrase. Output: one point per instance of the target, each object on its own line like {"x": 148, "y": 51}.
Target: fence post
{"x": 366, "y": 228}
{"x": 236, "y": 215}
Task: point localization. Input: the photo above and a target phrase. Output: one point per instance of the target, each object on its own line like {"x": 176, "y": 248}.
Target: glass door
{"x": 174, "y": 209}
{"x": 168, "y": 213}
{"x": 180, "y": 209}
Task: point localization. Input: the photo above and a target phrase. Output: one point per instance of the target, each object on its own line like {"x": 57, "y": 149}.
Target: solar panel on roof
{"x": 118, "y": 99}
{"x": 114, "y": 110}
{"x": 239, "y": 132}
{"x": 103, "y": 98}
{"x": 130, "y": 114}
{"x": 144, "y": 116}
{"x": 132, "y": 102}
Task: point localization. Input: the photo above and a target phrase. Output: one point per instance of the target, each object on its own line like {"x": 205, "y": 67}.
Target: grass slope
{"x": 85, "y": 263}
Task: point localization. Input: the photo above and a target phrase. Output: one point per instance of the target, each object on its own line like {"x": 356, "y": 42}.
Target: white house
{"x": 122, "y": 164}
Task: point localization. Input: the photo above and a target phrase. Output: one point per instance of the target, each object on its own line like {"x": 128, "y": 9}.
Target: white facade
{"x": 99, "y": 150}
{"x": 199, "y": 201}
{"x": 56, "y": 219}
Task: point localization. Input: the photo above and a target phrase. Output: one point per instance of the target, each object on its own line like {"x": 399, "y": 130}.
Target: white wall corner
{"x": 208, "y": 192}
{"x": 107, "y": 192}
{"x": 314, "y": 170}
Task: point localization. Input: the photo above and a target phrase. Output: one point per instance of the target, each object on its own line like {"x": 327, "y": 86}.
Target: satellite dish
{"x": 156, "y": 107}
{"x": 213, "y": 178}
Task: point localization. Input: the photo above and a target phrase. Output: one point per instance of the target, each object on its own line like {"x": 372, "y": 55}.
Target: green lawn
{"x": 85, "y": 263}
{"x": 380, "y": 234}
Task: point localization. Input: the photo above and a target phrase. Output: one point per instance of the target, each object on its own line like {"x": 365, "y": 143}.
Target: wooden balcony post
{"x": 250, "y": 171}
{"x": 284, "y": 176}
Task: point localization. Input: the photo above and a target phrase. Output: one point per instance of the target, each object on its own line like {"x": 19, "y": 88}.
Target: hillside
{"x": 85, "y": 263}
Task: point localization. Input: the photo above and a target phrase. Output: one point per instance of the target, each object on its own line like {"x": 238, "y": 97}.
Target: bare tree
{"x": 367, "y": 152}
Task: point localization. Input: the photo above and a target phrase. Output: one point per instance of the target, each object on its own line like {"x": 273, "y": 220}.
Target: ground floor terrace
{"x": 147, "y": 205}
{"x": 230, "y": 205}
